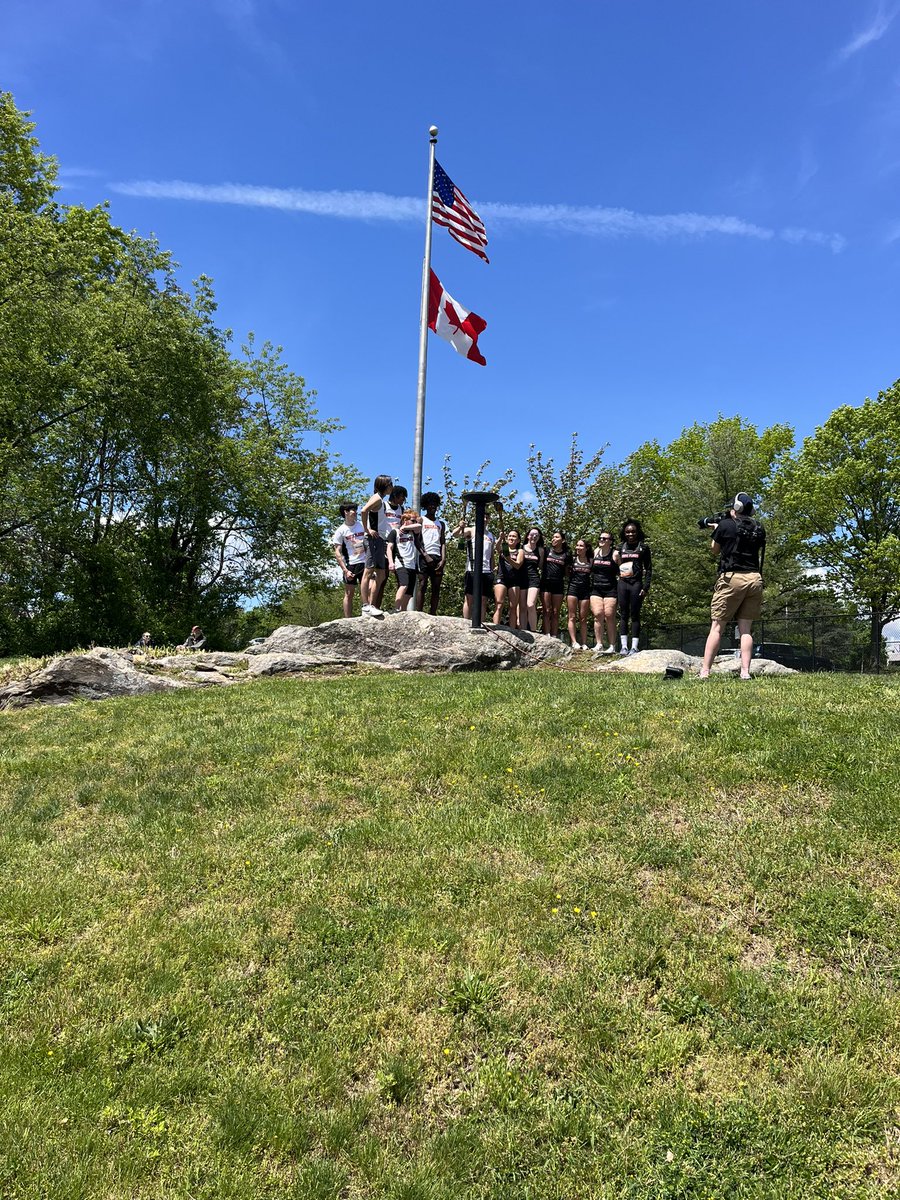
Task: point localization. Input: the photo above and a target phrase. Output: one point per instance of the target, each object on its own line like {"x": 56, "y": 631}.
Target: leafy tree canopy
{"x": 149, "y": 476}
{"x": 842, "y": 493}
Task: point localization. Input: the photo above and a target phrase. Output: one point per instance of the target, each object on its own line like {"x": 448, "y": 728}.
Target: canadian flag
{"x": 453, "y": 323}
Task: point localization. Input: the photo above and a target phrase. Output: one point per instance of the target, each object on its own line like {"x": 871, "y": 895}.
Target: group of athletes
{"x": 520, "y": 574}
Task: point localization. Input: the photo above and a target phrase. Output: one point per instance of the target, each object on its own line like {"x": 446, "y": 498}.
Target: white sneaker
{"x": 608, "y": 650}
{"x": 365, "y": 610}
{"x": 371, "y": 611}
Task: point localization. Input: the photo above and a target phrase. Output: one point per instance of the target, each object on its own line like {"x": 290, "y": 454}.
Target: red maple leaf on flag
{"x": 453, "y": 316}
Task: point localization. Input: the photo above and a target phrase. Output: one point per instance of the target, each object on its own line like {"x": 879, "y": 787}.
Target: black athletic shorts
{"x": 605, "y": 593}
{"x": 580, "y": 588}
{"x": 487, "y": 583}
{"x": 376, "y": 554}
{"x": 554, "y": 587}
{"x": 357, "y": 571}
{"x": 405, "y": 577}
{"x": 508, "y": 576}
{"x": 430, "y": 570}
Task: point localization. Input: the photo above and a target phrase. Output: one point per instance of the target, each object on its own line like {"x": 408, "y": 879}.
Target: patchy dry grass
{"x": 545, "y": 934}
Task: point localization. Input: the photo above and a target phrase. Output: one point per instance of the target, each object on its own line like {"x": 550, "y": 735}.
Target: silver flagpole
{"x": 419, "y": 443}
{"x": 423, "y": 333}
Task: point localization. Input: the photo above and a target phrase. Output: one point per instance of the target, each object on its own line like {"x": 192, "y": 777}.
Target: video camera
{"x": 742, "y": 505}
{"x": 713, "y": 521}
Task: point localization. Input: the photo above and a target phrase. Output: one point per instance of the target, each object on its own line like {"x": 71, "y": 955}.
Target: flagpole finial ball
{"x": 433, "y": 131}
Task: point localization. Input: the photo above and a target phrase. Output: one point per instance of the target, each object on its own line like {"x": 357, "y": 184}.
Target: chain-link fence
{"x": 820, "y": 643}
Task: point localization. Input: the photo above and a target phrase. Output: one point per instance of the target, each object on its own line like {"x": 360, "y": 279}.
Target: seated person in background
{"x": 195, "y": 640}
{"x": 144, "y": 642}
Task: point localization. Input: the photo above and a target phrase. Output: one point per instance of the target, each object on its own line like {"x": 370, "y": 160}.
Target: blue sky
{"x": 692, "y": 207}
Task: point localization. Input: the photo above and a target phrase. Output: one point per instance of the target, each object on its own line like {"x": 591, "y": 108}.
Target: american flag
{"x": 452, "y": 209}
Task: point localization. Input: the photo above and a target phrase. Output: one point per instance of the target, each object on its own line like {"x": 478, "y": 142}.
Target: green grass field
{"x": 533, "y": 935}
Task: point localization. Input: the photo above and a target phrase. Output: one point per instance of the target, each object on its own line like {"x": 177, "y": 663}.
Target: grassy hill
{"x": 541, "y": 935}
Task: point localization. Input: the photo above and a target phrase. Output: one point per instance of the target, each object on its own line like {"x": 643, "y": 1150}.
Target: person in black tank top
{"x": 579, "y": 594}
{"x": 533, "y": 565}
{"x": 509, "y": 564}
{"x": 557, "y": 561}
{"x": 635, "y": 571}
{"x": 604, "y": 582}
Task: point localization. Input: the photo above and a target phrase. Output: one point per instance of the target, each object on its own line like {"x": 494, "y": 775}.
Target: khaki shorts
{"x": 737, "y": 596}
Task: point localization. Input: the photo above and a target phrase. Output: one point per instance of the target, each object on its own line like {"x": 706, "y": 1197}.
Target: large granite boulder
{"x": 198, "y": 660}
{"x": 655, "y": 662}
{"x": 410, "y": 641}
{"x": 96, "y": 675}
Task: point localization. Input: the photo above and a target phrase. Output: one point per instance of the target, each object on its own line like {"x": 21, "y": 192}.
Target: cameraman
{"x": 739, "y": 542}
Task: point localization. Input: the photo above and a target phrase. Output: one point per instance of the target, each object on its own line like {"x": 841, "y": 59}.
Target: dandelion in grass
{"x": 576, "y": 910}
{"x": 554, "y": 910}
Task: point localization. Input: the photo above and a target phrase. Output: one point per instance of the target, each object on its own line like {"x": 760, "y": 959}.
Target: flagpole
{"x": 419, "y": 444}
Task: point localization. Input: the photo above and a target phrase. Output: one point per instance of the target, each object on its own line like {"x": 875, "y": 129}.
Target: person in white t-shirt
{"x": 393, "y": 506}
{"x": 349, "y": 544}
{"x": 403, "y": 546}
{"x": 433, "y": 558}
{"x": 375, "y": 523}
{"x": 487, "y": 563}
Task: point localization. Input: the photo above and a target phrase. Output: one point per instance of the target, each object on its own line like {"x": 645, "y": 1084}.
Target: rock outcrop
{"x": 399, "y": 642}
{"x": 409, "y": 642}
{"x": 655, "y": 662}
{"x": 95, "y": 675}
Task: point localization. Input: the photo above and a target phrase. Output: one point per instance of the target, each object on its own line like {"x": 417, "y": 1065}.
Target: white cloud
{"x": 873, "y": 32}
{"x": 360, "y": 206}
{"x": 834, "y": 241}
{"x": 595, "y": 221}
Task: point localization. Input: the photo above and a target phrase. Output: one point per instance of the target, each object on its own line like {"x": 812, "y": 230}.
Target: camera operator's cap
{"x": 743, "y": 504}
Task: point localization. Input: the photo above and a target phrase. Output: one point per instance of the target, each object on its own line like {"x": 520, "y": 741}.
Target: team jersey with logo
{"x": 405, "y": 547}
{"x": 487, "y": 554}
{"x": 635, "y": 564}
{"x": 431, "y": 535}
{"x": 604, "y": 571}
{"x": 532, "y": 566}
{"x": 352, "y": 542}
{"x": 392, "y": 517}
{"x": 555, "y": 564}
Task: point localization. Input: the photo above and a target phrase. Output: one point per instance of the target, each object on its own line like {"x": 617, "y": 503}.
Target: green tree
{"x": 842, "y": 494}
{"x": 149, "y": 477}
{"x": 585, "y": 496}
{"x": 694, "y": 476}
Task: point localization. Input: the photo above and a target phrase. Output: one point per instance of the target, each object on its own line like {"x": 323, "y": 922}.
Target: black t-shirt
{"x": 605, "y": 571}
{"x": 555, "y": 564}
{"x": 636, "y": 564}
{"x": 741, "y": 540}
{"x": 532, "y": 566}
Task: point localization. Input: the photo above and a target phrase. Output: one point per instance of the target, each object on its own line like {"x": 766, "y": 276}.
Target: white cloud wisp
{"x": 594, "y": 220}
{"x": 874, "y": 32}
